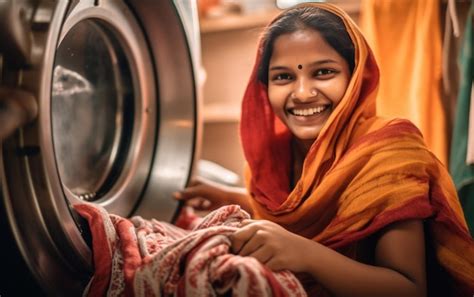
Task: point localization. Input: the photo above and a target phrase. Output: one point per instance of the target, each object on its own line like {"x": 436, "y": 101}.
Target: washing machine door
{"x": 118, "y": 126}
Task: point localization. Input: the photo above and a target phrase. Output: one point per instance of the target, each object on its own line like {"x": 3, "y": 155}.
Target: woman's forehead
{"x": 306, "y": 44}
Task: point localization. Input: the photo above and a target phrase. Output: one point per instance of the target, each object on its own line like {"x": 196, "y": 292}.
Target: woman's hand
{"x": 272, "y": 245}
{"x": 205, "y": 195}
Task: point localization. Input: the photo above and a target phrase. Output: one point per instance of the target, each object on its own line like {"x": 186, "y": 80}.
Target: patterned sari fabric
{"x": 361, "y": 174}
{"x": 137, "y": 257}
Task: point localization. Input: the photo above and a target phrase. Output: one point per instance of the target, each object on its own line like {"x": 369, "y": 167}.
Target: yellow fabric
{"x": 406, "y": 39}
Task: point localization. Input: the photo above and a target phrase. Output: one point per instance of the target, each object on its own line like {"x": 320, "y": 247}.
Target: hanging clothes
{"x": 460, "y": 169}
{"x": 406, "y": 39}
{"x": 470, "y": 135}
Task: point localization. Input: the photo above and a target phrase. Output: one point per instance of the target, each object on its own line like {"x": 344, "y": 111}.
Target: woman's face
{"x": 306, "y": 80}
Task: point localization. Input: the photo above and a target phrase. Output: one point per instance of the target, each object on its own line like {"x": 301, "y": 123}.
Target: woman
{"x": 353, "y": 203}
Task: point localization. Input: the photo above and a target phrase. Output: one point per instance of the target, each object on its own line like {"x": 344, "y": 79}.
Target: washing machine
{"x": 118, "y": 126}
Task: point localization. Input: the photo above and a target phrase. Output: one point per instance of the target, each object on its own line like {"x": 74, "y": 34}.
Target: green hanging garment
{"x": 461, "y": 171}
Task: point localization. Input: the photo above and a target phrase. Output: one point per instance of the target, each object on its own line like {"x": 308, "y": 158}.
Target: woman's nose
{"x": 304, "y": 90}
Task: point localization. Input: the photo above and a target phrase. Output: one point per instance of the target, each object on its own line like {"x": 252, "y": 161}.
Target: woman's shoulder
{"x": 379, "y": 135}
{"x": 378, "y": 128}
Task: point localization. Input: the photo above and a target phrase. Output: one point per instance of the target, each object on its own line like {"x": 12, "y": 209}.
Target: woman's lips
{"x": 309, "y": 114}
{"x": 308, "y": 111}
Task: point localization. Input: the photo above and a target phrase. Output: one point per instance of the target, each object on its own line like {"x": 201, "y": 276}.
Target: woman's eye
{"x": 324, "y": 72}
{"x": 282, "y": 76}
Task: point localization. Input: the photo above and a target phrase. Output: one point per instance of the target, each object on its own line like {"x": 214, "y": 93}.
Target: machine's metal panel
{"x": 124, "y": 139}
{"x": 179, "y": 124}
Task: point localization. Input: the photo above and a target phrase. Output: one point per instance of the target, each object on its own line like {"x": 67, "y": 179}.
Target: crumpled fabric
{"x": 138, "y": 257}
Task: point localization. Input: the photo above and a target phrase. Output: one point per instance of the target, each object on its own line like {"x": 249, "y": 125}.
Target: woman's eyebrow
{"x": 315, "y": 63}
{"x": 325, "y": 61}
{"x": 278, "y": 68}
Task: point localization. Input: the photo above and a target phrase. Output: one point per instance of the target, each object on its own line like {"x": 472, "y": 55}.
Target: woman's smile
{"x": 309, "y": 114}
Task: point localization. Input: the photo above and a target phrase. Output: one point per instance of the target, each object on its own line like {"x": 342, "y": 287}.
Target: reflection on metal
{"x": 184, "y": 124}
{"x": 68, "y": 83}
{"x": 92, "y": 109}
{"x": 217, "y": 173}
{"x": 87, "y": 197}
{"x": 121, "y": 133}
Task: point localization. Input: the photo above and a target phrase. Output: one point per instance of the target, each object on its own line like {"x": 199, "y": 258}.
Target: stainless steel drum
{"x": 118, "y": 126}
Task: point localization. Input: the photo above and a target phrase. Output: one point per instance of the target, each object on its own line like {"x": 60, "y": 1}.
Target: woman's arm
{"x": 204, "y": 194}
{"x": 399, "y": 271}
{"x": 399, "y": 259}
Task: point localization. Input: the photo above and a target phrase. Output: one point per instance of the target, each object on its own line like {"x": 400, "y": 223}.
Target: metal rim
{"x": 124, "y": 195}
{"x": 179, "y": 124}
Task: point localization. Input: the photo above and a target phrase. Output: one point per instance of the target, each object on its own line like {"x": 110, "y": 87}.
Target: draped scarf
{"x": 361, "y": 174}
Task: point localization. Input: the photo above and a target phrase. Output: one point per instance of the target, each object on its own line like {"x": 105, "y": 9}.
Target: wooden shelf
{"x": 252, "y": 20}
{"x": 351, "y": 7}
{"x": 237, "y": 21}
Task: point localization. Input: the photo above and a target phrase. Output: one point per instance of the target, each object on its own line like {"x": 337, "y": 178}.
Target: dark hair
{"x": 329, "y": 25}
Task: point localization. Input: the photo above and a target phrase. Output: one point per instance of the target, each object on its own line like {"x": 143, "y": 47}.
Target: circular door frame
{"x": 179, "y": 122}
{"x": 42, "y": 223}
{"x": 126, "y": 191}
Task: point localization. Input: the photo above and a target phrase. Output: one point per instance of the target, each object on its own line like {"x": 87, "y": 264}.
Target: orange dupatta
{"x": 361, "y": 174}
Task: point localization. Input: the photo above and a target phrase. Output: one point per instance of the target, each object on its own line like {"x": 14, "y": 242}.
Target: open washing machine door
{"x": 118, "y": 125}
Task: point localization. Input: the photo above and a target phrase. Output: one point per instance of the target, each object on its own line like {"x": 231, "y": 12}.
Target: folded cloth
{"x": 138, "y": 257}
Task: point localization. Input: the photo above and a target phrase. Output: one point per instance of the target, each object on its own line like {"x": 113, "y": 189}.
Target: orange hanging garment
{"x": 360, "y": 175}
{"x": 406, "y": 39}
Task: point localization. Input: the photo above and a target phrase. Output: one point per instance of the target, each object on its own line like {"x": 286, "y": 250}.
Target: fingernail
{"x": 177, "y": 195}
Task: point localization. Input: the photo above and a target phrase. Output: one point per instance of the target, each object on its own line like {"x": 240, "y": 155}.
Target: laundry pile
{"x": 138, "y": 257}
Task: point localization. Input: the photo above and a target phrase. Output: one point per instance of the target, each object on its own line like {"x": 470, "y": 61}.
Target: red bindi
{"x": 300, "y": 66}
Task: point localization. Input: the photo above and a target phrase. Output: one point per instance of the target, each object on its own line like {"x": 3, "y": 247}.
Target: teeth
{"x": 308, "y": 111}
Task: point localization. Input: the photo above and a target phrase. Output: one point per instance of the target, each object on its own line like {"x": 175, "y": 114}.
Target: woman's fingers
{"x": 256, "y": 241}
{"x": 252, "y": 241}
{"x": 177, "y": 195}
{"x": 199, "y": 197}
{"x": 199, "y": 203}
{"x": 199, "y": 180}
{"x": 209, "y": 192}
{"x": 262, "y": 254}
{"x": 274, "y": 264}
{"x": 214, "y": 194}
{"x": 246, "y": 222}
{"x": 195, "y": 181}
{"x": 190, "y": 192}
{"x": 240, "y": 238}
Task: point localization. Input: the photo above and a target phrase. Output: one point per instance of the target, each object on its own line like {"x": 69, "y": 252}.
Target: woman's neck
{"x": 300, "y": 149}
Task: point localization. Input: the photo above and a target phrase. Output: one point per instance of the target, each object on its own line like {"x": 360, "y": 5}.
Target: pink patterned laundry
{"x": 137, "y": 257}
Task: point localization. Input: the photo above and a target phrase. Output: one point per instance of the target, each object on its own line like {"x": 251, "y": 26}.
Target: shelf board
{"x": 252, "y": 20}
{"x": 351, "y": 7}
{"x": 237, "y": 21}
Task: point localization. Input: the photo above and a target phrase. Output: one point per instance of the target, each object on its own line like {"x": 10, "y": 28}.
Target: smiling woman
{"x": 356, "y": 204}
